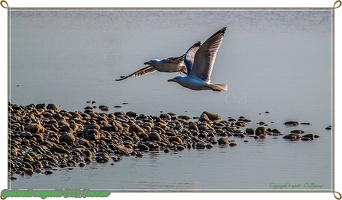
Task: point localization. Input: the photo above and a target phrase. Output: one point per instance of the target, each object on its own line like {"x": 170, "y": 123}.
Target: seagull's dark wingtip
{"x": 223, "y": 29}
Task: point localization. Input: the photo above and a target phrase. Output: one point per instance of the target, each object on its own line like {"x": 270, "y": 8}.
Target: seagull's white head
{"x": 176, "y": 79}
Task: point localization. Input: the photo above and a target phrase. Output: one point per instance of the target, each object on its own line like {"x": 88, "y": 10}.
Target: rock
{"x": 292, "y": 136}
{"x": 35, "y": 128}
{"x": 222, "y": 140}
{"x": 154, "y": 136}
{"x": 136, "y": 128}
{"x": 311, "y": 136}
{"x": 48, "y": 172}
{"x": 184, "y": 117}
{"x": 176, "y": 139}
{"x": 143, "y": 147}
{"x": 85, "y": 142}
{"x": 92, "y": 134}
{"x": 40, "y": 106}
{"x": 232, "y": 144}
{"x": 180, "y": 147}
{"x": 131, "y": 114}
{"x": 165, "y": 116}
{"x": 305, "y": 123}
{"x": 59, "y": 149}
{"x": 67, "y": 137}
{"x": 28, "y": 158}
{"x": 261, "y": 123}
{"x": 261, "y": 130}
{"x": 81, "y": 164}
{"x": 212, "y": 116}
{"x": 39, "y": 137}
{"x": 203, "y": 135}
{"x": 204, "y": 117}
{"x": 297, "y": 131}
{"x": 305, "y": 138}
{"x": 250, "y": 131}
{"x": 93, "y": 125}
{"x": 104, "y": 108}
{"x": 52, "y": 107}
{"x": 275, "y": 131}
{"x": 200, "y": 145}
{"x": 291, "y": 123}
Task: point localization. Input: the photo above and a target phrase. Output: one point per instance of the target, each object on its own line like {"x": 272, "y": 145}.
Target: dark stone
{"x": 297, "y": 131}
{"x": 143, "y": 147}
{"x": 136, "y": 128}
{"x": 52, "y": 107}
{"x": 175, "y": 139}
{"x": 223, "y": 140}
{"x": 305, "y": 123}
{"x": 92, "y": 134}
{"x": 232, "y": 144}
{"x": 275, "y": 131}
{"x": 67, "y": 137}
{"x": 261, "y": 131}
{"x": 154, "y": 136}
{"x": 250, "y": 131}
{"x": 35, "y": 128}
{"x": 292, "y": 136}
{"x": 212, "y": 116}
{"x": 131, "y": 114}
{"x": 167, "y": 150}
{"x": 48, "y": 172}
{"x": 311, "y": 136}
{"x": 291, "y": 123}
{"x": 184, "y": 117}
{"x": 305, "y": 139}
{"x": 40, "y": 106}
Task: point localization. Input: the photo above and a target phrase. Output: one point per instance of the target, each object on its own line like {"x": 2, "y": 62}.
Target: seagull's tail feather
{"x": 219, "y": 87}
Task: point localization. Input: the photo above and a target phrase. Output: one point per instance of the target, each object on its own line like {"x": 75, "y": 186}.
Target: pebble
{"x": 223, "y": 140}
{"x": 292, "y": 136}
{"x": 154, "y": 136}
{"x": 212, "y": 116}
{"x": 261, "y": 130}
{"x": 291, "y": 123}
{"x": 232, "y": 144}
{"x": 67, "y": 137}
{"x": 176, "y": 139}
{"x": 250, "y": 131}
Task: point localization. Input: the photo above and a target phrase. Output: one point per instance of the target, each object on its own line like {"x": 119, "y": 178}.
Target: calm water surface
{"x": 273, "y": 60}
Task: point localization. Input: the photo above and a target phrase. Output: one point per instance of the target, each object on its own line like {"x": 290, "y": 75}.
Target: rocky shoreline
{"x": 41, "y": 137}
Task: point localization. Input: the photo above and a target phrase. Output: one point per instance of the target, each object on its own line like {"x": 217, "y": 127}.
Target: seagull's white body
{"x": 169, "y": 65}
{"x": 199, "y": 61}
{"x": 198, "y": 84}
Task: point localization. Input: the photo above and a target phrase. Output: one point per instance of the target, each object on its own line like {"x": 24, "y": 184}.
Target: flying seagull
{"x": 172, "y": 64}
{"x": 199, "y": 61}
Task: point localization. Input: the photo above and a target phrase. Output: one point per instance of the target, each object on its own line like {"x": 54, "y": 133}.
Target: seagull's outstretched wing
{"x": 206, "y": 55}
{"x": 141, "y": 72}
{"x": 190, "y": 56}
